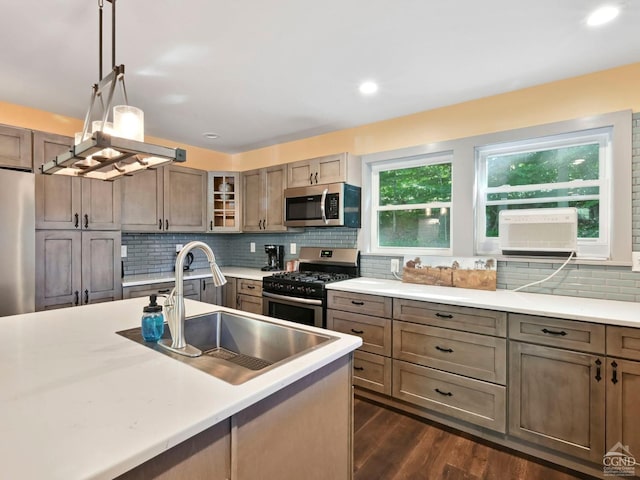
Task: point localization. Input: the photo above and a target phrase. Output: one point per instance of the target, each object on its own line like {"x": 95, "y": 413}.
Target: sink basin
{"x": 238, "y": 348}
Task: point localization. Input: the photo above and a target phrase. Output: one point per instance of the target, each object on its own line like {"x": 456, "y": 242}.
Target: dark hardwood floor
{"x": 389, "y": 445}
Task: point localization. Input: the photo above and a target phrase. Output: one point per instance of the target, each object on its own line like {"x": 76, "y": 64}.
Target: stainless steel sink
{"x": 238, "y": 348}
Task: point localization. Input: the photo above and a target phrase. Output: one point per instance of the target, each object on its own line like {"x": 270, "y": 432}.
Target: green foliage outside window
{"x": 544, "y": 168}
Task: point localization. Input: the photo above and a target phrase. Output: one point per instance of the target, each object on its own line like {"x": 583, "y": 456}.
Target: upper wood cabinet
{"x": 223, "y": 202}
{"x": 15, "y": 148}
{"x": 73, "y": 203}
{"x": 341, "y": 167}
{"x": 168, "y": 199}
{"x": 263, "y": 199}
{"x": 76, "y": 268}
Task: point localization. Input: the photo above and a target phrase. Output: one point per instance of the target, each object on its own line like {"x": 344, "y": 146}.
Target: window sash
{"x": 587, "y": 247}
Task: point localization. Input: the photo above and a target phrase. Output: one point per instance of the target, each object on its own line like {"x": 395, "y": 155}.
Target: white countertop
{"x": 577, "y": 308}
{"x": 236, "y": 272}
{"x": 78, "y": 401}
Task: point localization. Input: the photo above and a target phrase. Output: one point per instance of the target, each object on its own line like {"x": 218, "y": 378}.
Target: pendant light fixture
{"x": 108, "y": 150}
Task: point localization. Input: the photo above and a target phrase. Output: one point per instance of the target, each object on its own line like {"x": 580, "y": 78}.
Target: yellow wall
{"x": 31, "y": 118}
{"x": 595, "y": 93}
{"x": 592, "y": 94}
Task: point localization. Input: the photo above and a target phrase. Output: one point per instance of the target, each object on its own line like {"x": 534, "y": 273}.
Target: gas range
{"x": 308, "y": 284}
{"x": 301, "y": 296}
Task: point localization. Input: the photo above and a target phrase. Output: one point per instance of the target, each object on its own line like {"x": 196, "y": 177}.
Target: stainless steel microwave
{"x": 330, "y": 205}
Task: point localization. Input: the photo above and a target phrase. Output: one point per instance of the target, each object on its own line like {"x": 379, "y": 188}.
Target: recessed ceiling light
{"x": 211, "y": 135}
{"x": 602, "y": 15}
{"x": 368, "y": 88}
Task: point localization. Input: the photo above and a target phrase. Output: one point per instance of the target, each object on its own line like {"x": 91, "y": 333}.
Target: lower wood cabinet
{"x": 623, "y": 397}
{"x": 249, "y": 295}
{"x": 191, "y": 289}
{"x": 474, "y": 401}
{"x": 302, "y": 431}
{"x": 557, "y": 399}
{"x": 76, "y": 268}
{"x": 372, "y": 372}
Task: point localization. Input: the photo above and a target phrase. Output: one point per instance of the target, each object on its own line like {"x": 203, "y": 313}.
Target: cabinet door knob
{"x": 159, "y": 224}
{"x": 316, "y": 177}
{"x": 86, "y": 296}
{"x": 166, "y": 224}
{"x": 77, "y": 293}
{"x": 211, "y": 225}
{"x": 86, "y": 221}
{"x": 77, "y": 222}
{"x": 614, "y": 376}
{"x": 311, "y": 179}
{"x": 598, "y": 370}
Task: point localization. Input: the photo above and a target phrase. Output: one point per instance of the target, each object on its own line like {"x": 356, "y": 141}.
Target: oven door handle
{"x": 306, "y": 301}
{"x": 322, "y": 202}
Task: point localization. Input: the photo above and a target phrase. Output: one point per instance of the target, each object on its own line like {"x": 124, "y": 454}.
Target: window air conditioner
{"x": 539, "y": 231}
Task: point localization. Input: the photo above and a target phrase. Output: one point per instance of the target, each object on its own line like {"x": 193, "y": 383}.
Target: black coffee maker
{"x": 275, "y": 257}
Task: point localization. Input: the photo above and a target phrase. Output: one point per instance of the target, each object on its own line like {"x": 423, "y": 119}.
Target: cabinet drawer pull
{"x": 77, "y": 297}
{"x": 357, "y": 302}
{"x": 446, "y": 394}
{"x": 251, "y": 287}
{"x": 614, "y": 376}
{"x": 554, "y": 332}
{"x": 86, "y": 221}
{"x": 159, "y": 224}
{"x": 358, "y": 368}
{"x": 446, "y": 350}
{"x": 77, "y": 222}
{"x": 164, "y": 290}
{"x": 444, "y": 315}
{"x": 598, "y": 370}
{"x": 357, "y": 332}
{"x": 86, "y": 296}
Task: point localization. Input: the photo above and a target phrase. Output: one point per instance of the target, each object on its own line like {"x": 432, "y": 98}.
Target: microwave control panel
{"x": 332, "y": 206}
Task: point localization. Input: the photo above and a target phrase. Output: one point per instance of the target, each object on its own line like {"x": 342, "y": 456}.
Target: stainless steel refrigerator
{"x": 17, "y": 242}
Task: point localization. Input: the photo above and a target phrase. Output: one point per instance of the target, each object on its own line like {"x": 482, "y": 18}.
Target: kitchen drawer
{"x": 359, "y": 303}
{"x": 570, "y": 334}
{"x": 469, "y": 354}
{"x": 372, "y": 372}
{"x": 623, "y": 342}
{"x": 374, "y": 331}
{"x": 191, "y": 290}
{"x": 473, "y": 401}
{"x": 249, "y": 287}
{"x": 475, "y": 320}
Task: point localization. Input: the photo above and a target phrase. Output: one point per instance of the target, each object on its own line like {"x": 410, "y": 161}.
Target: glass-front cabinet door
{"x": 223, "y": 192}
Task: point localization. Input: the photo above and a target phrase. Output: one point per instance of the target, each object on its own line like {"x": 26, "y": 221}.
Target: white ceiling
{"x": 260, "y": 72}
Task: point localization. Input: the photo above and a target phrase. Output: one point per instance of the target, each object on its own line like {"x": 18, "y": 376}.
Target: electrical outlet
{"x": 635, "y": 261}
{"x": 123, "y": 251}
{"x": 293, "y": 248}
{"x": 252, "y": 247}
{"x": 395, "y": 265}
{"x": 178, "y": 247}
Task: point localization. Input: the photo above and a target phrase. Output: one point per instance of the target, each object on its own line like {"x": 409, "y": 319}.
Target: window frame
{"x": 401, "y": 163}
{"x": 464, "y": 185}
{"x": 594, "y": 248}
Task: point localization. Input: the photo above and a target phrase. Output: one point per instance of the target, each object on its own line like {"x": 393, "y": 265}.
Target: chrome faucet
{"x": 174, "y": 305}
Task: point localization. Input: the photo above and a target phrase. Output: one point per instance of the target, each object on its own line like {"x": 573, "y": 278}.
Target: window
{"x": 570, "y": 170}
{"x": 411, "y": 204}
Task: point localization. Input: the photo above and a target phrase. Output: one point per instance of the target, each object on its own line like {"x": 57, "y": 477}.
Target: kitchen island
{"x": 78, "y": 401}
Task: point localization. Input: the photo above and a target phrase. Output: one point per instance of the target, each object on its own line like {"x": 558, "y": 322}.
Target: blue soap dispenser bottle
{"x": 152, "y": 321}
